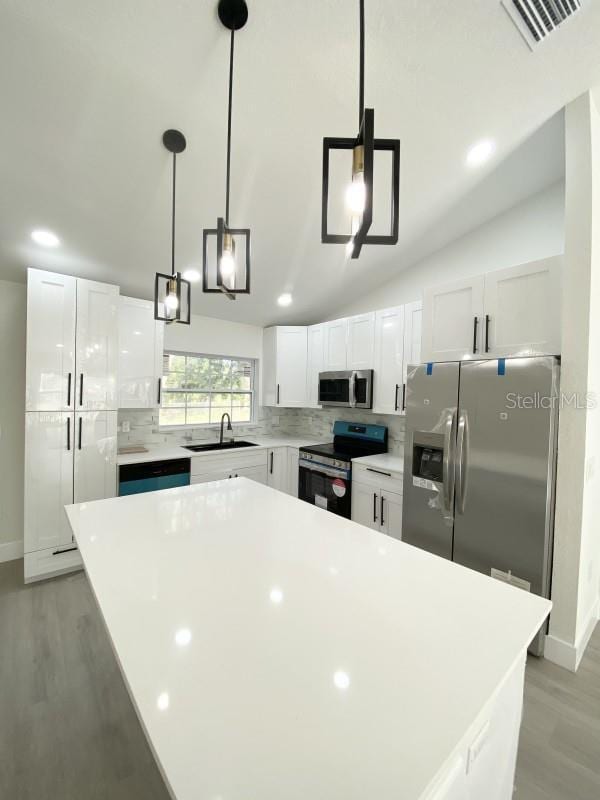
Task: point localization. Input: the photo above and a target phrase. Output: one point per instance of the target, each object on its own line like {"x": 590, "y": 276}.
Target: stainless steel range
{"x": 325, "y": 470}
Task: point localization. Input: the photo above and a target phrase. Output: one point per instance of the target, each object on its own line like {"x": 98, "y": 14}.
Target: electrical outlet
{"x": 126, "y": 426}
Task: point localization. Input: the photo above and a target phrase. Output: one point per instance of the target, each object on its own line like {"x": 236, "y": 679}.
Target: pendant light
{"x": 359, "y": 193}
{"x": 226, "y": 250}
{"x": 172, "y": 293}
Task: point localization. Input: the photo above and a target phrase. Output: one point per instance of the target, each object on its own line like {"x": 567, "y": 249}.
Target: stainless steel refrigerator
{"x": 479, "y": 466}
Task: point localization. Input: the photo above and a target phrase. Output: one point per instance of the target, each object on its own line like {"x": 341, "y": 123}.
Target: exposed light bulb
{"x": 171, "y": 301}
{"x": 227, "y": 264}
{"x": 356, "y": 195}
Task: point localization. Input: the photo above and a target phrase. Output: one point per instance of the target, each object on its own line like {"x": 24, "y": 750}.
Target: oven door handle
{"x": 329, "y": 471}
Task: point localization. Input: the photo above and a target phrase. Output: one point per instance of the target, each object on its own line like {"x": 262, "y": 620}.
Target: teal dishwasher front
{"x": 151, "y": 476}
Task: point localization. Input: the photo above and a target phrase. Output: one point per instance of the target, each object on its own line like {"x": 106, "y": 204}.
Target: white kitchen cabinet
{"x": 141, "y": 344}
{"x": 258, "y": 474}
{"x": 97, "y": 342}
{"x": 413, "y": 317}
{"x": 508, "y": 312}
{"x": 452, "y": 316}
{"x": 277, "y": 466}
{"x": 50, "y": 367}
{"x": 315, "y": 363}
{"x": 293, "y": 456}
{"x": 365, "y": 505}
{"x": 361, "y": 342}
{"x": 95, "y": 450}
{"x": 522, "y": 310}
{"x": 284, "y": 366}
{"x": 336, "y": 343}
{"x": 209, "y": 477}
{"x": 377, "y": 498}
{"x": 389, "y": 361}
{"x": 49, "y": 443}
{"x": 390, "y": 513}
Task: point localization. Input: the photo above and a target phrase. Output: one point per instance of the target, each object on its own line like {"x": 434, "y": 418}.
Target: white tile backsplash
{"x": 311, "y": 422}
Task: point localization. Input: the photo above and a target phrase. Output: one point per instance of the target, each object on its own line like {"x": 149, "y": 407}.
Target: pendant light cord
{"x": 361, "y": 86}
{"x": 229, "y": 128}
{"x": 173, "y": 216}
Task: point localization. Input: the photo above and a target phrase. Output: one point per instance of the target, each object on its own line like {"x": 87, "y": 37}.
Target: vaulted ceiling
{"x": 88, "y": 88}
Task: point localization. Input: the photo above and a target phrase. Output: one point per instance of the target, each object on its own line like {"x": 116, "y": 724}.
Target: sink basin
{"x": 201, "y": 448}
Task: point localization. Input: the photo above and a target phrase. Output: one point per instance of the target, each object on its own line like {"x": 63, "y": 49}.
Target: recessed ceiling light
{"x": 45, "y": 238}
{"x": 284, "y": 299}
{"x": 341, "y": 680}
{"x": 191, "y": 275}
{"x": 480, "y": 152}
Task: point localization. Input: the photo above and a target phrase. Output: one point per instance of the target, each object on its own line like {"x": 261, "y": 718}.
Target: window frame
{"x": 207, "y": 425}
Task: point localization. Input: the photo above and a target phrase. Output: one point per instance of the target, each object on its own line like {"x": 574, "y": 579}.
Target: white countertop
{"x": 169, "y": 452}
{"x": 276, "y": 651}
{"x": 385, "y": 461}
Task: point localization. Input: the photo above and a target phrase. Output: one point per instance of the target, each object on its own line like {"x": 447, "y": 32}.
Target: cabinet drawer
{"x": 377, "y": 478}
{"x": 228, "y": 463}
{"x": 48, "y": 563}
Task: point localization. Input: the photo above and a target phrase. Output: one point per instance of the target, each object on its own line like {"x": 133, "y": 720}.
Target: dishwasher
{"x": 150, "y": 476}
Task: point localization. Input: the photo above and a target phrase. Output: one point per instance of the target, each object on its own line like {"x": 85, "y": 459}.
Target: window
{"x": 198, "y": 389}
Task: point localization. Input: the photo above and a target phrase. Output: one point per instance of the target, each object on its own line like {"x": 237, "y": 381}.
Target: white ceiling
{"x": 88, "y": 88}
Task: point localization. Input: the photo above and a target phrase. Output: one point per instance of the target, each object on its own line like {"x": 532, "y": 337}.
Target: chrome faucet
{"x": 229, "y": 428}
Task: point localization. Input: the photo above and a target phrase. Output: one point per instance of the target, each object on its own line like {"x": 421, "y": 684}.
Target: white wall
{"x": 217, "y": 337}
{"x": 576, "y": 573}
{"x": 13, "y": 303}
{"x": 531, "y": 230}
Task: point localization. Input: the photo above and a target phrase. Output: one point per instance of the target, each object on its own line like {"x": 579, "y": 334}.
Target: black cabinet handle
{"x": 79, "y": 437}
{"x": 277, "y": 394}
{"x": 396, "y": 397}
{"x": 69, "y": 389}
{"x": 475, "y": 326}
{"x": 374, "y": 506}
{"x": 379, "y": 472}
{"x": 403, "y": 397}
{"x": 68, "y": 433}
{"x": 81, "y": 389}
{"x": 159, "y": 397}
{"x": 66, "y": 550}
{"x": 487, "y": 333}
{"x": 271, "y": 470}
{"x": 381, "y": 513}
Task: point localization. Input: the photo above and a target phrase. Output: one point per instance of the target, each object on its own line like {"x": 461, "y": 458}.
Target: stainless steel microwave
{"x": 349, "y": 388}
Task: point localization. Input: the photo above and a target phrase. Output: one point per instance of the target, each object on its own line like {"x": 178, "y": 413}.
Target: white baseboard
{"x": 569, "y": 655}
{"x": 9, "y": 551}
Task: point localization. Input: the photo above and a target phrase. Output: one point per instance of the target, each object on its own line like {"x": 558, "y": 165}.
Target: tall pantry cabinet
{"x": 71, "y": 411}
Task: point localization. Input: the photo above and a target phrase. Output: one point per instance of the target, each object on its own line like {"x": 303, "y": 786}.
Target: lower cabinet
{"x": 248, "y": 464}
{"x": 292, "y": 471}
{"x": 377, "y": 500}
{"x": 69, "y": 457}
{"x": 277, "y": 466}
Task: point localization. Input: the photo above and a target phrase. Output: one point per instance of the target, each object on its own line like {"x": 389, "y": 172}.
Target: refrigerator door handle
{"x": 461, "y": 461}
{"x": 448, "y": 465}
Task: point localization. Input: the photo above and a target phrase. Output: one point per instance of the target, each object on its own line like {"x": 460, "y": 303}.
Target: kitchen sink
{"x": 201, "y": 448}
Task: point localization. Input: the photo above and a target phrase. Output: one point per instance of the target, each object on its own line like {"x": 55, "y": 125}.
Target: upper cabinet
{"x": 451, "y": 320}
{"x": 522, "y": 310}
{"x": 97, "y": 343}
{"x": 316, "y": 361}
{"x": 141, "y": 342}
{"x": 509, "y": 312}
{"x": 361, "y": 342}
{"x": 397, "y": 344}
{"x": 72, "y": 341}
{"x": 51, "y": 314}
{"x": 284, "y": 368}
{"x": 336, "y": 344}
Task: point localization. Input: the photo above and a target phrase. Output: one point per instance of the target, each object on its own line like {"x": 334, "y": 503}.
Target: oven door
{"x": 325, "y": 487}
{"x": 335, "y": 388}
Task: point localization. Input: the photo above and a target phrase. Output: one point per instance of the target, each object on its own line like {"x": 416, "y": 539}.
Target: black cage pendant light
{"x": 359, "y": 194}
{"x": 172, "y": 293}
{"x": 226, "y": 250}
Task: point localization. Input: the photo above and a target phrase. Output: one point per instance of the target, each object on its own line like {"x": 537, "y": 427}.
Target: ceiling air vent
{"x": 536, "y": 19}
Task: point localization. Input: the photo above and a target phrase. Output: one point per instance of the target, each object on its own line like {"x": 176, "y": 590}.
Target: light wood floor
{"x": 68, "y": 730}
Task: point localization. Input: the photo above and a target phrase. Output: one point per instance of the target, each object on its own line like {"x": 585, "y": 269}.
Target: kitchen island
{"x": 277, "y": 651}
